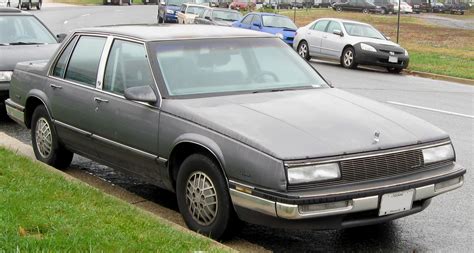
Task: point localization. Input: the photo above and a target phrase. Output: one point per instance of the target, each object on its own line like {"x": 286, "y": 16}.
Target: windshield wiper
{"x": 24, "y": 43}
{"x": 283, "y": 89}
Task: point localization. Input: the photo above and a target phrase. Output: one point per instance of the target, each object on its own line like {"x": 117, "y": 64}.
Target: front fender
{"x": 202, "y": 141}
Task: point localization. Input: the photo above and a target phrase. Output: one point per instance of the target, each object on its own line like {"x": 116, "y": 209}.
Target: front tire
{"x": 29, "y": 5}
{"x": 303, "y": 50}
{"x": 365, "y": 11}
{"x": 338, "y": 9}
{"x": 394, "y": 70}
{"x": 203, "y": 197}
{"x": 348, "y": 58}
{"x": 38, "y": 6}
{"x": 45, "y": 141}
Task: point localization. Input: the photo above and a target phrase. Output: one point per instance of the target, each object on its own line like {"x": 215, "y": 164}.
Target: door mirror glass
{"x": 338, "y": 32}
{"x": 60, "y": 37}
{"x": 141, "y": 94}
{"x": 257, "y": 24}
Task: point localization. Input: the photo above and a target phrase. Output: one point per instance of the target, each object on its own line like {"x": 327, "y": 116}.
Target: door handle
{"x": 54, "y": 86}
{"x": 100, "y": 100}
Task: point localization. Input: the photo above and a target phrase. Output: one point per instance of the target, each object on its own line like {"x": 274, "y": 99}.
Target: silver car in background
{"x": 350, "y": 42}
{"x": 28, "y": 4}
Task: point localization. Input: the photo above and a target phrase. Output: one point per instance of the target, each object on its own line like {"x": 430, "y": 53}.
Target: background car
{"x": 242, "y": 5}
{"x": 280, "y": 25}
{"x": 404, "y": 6}
{"x": 118, "y": 2}
{"x": 188, "y": 12}
{"x": 168, "y": 10}
{"x": 146, "y": 2}
{"x": 455, "y": 7}
{"x": 27, "y": 4}
{"x": 386, "y": 6}
{"x": 23, "y": 37}
{"x": 357, "y": 5}
{"x": 218, "y": 16}
{"x": 351, "y": 43}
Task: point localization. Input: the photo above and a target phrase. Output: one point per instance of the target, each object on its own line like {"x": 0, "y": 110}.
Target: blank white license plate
{"x": 396, "y": 202}
{"x": 393, "y": 59}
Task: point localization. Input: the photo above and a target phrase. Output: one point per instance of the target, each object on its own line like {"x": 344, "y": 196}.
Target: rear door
{"x": 72, "y": 86}
{"x": 314, "y": 36}
{"x": 332, "y": 44}
{"x": 128, "y": 136}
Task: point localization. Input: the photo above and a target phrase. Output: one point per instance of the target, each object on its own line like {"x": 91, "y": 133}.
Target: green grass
{"x": 442, "y": 64}
{"x": 42, "y": 211}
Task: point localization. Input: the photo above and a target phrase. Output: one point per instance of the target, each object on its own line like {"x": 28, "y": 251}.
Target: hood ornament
{"x": 376, "y": 137}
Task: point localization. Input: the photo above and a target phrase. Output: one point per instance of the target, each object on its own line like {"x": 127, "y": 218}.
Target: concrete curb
{"x": 439, "y": 77}
{"x": 75, "y": 175}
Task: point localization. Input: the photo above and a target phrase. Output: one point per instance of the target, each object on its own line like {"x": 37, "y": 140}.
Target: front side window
{"x": 84, "y": 63}
{"x": 321, "y": 25}
{"x": 232, "y": 65}
{"x": 23, "y": 30}
{"x": 247, "y": 20}
{"x": 60, "y": 67}
{"x": 333, "y": 26}
{"x": 127, "y": 66}
{"x": 278, "y": 21}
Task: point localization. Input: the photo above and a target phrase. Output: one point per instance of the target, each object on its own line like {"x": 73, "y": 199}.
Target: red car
{"x": 242, "y": 5}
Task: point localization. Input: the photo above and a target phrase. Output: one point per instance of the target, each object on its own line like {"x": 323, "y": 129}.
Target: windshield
{"x": 176, "y": 2}
{"x": 21, "y": 30}
{"x": 226, "y": 15}
{"x": 192, "y": 67}
{"x": 202, "y": 1}
{"x": 195, "y": 10}
{"x": 361, "y": 30}
{"x": 278, "y": 21}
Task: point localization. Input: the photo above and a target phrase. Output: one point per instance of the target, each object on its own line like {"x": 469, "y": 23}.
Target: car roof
{"x": 13, "y": 11}
{"x": 196, "y": 5}
{"x": 267, "y": 14}
{"x": 156, "y": 32}
{"x": 223, "y": 9}
{"x": 343, "y": 20}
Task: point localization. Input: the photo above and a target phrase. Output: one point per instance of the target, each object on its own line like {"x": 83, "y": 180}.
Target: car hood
{"x": 375, "y": 41}
{"x": 287, "y": 32}
{"x": 224, "y": 23}
{"x": 306, "y": 123}
{"x": 173, "y": 8}
{"x": 11, "y": 55}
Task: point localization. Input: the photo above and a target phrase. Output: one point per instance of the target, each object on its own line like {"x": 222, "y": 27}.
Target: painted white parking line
{"x": 431, "y": 109}
{"x": 85, "y": 15}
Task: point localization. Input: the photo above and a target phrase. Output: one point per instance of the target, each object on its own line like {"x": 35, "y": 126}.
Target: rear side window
{"x": 84, "y": 63}
{"x": 61, "y": 64}
{"x": 127, "y": 66}
{"x": 320, "y": 25}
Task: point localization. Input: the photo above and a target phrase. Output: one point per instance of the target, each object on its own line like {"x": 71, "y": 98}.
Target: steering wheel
{"x": 259, "y": 77}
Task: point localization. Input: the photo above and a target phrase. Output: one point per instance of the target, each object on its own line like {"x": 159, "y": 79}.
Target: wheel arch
{"x": 34, "y": 100}
{"x": 193, "y": 144}
{"x": 344, "y": 48}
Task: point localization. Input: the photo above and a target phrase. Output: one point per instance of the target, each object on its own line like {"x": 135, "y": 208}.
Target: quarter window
{"x": 61, "y": 64}
{"x": 321, "y": 25}
{"x": 127, "y": 66}
{"x": 84, "y": 63}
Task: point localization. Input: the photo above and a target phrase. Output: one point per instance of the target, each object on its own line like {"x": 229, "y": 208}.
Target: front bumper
{"x": 171, "y": 18}
{"x": 380, "y": 59}
{"x": 341, "y": 208}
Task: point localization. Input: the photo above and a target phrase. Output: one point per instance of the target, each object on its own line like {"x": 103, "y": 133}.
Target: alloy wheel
{"x": 201, "y": 198}
{"x": 348, "y": 58}
{"x": 44, "y": 139}
{"x": 303, "y": 50}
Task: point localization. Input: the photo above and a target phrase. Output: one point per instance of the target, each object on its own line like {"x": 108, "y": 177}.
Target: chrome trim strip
{"x": 122, "y": 146}
{"x": 75, "y": 129}
{"x": 253, "y": 202}
{"x": 15, "y": 112}
{"x": 299, "y": 163}
{"x": 241, "y": 184}
{"x": 162, "y": 160}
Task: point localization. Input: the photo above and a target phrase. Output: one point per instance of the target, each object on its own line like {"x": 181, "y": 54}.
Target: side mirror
{"x": 257, "y": 25}
{"x": 388, "y": 38}
{"x": 141, "y": 94}
{"x": 208, "y": 18}
{"x": 338, "y": 32}
{"x": 60, "y": 37}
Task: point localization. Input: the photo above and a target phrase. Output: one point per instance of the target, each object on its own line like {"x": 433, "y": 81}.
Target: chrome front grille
{"x": 370, "y": 168}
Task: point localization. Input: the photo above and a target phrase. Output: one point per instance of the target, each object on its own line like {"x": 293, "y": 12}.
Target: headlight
{"x": 437, "y": 154}
{"x": 367, "y": 47}
{"x": 280, "y": 35}
{"x": 5, "y": 76}
{"x": 406, "y": 52}
{"x": 170, "y": 11}
{"x": 313, "y": 173}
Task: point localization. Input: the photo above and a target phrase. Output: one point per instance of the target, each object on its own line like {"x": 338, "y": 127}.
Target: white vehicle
{"x": 188, "y": 12}
{"x": 28, "y": 4}
{"x": 404, "y": 6}
{"x": 349, "y": 42}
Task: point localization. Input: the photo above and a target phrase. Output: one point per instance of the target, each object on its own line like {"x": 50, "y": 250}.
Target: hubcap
{"x": 348, "y": 58}
{"x": 201, "y": 198}
{"x": 43, "y": 137}
{"x": 303, "y": 50}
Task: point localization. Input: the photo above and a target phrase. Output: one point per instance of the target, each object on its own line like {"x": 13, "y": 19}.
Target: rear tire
{"x": 29, "y": 5}
{"x": 45, "y": 141}
{"x": 338, "y": 9}
{"x": 38, "y": 6}
{"x": 365, "y": 11}
{"x": 203, "y": 197}
{"x": 303, "y": 50}
{"x": 348, "y": 58}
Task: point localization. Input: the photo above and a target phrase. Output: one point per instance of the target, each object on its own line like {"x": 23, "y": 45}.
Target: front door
{"x": 332, "y": 44}
{"x": 128, "y": 133}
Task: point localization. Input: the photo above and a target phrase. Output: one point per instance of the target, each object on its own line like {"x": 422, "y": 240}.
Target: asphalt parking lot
{"x": 445, "y": 226}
